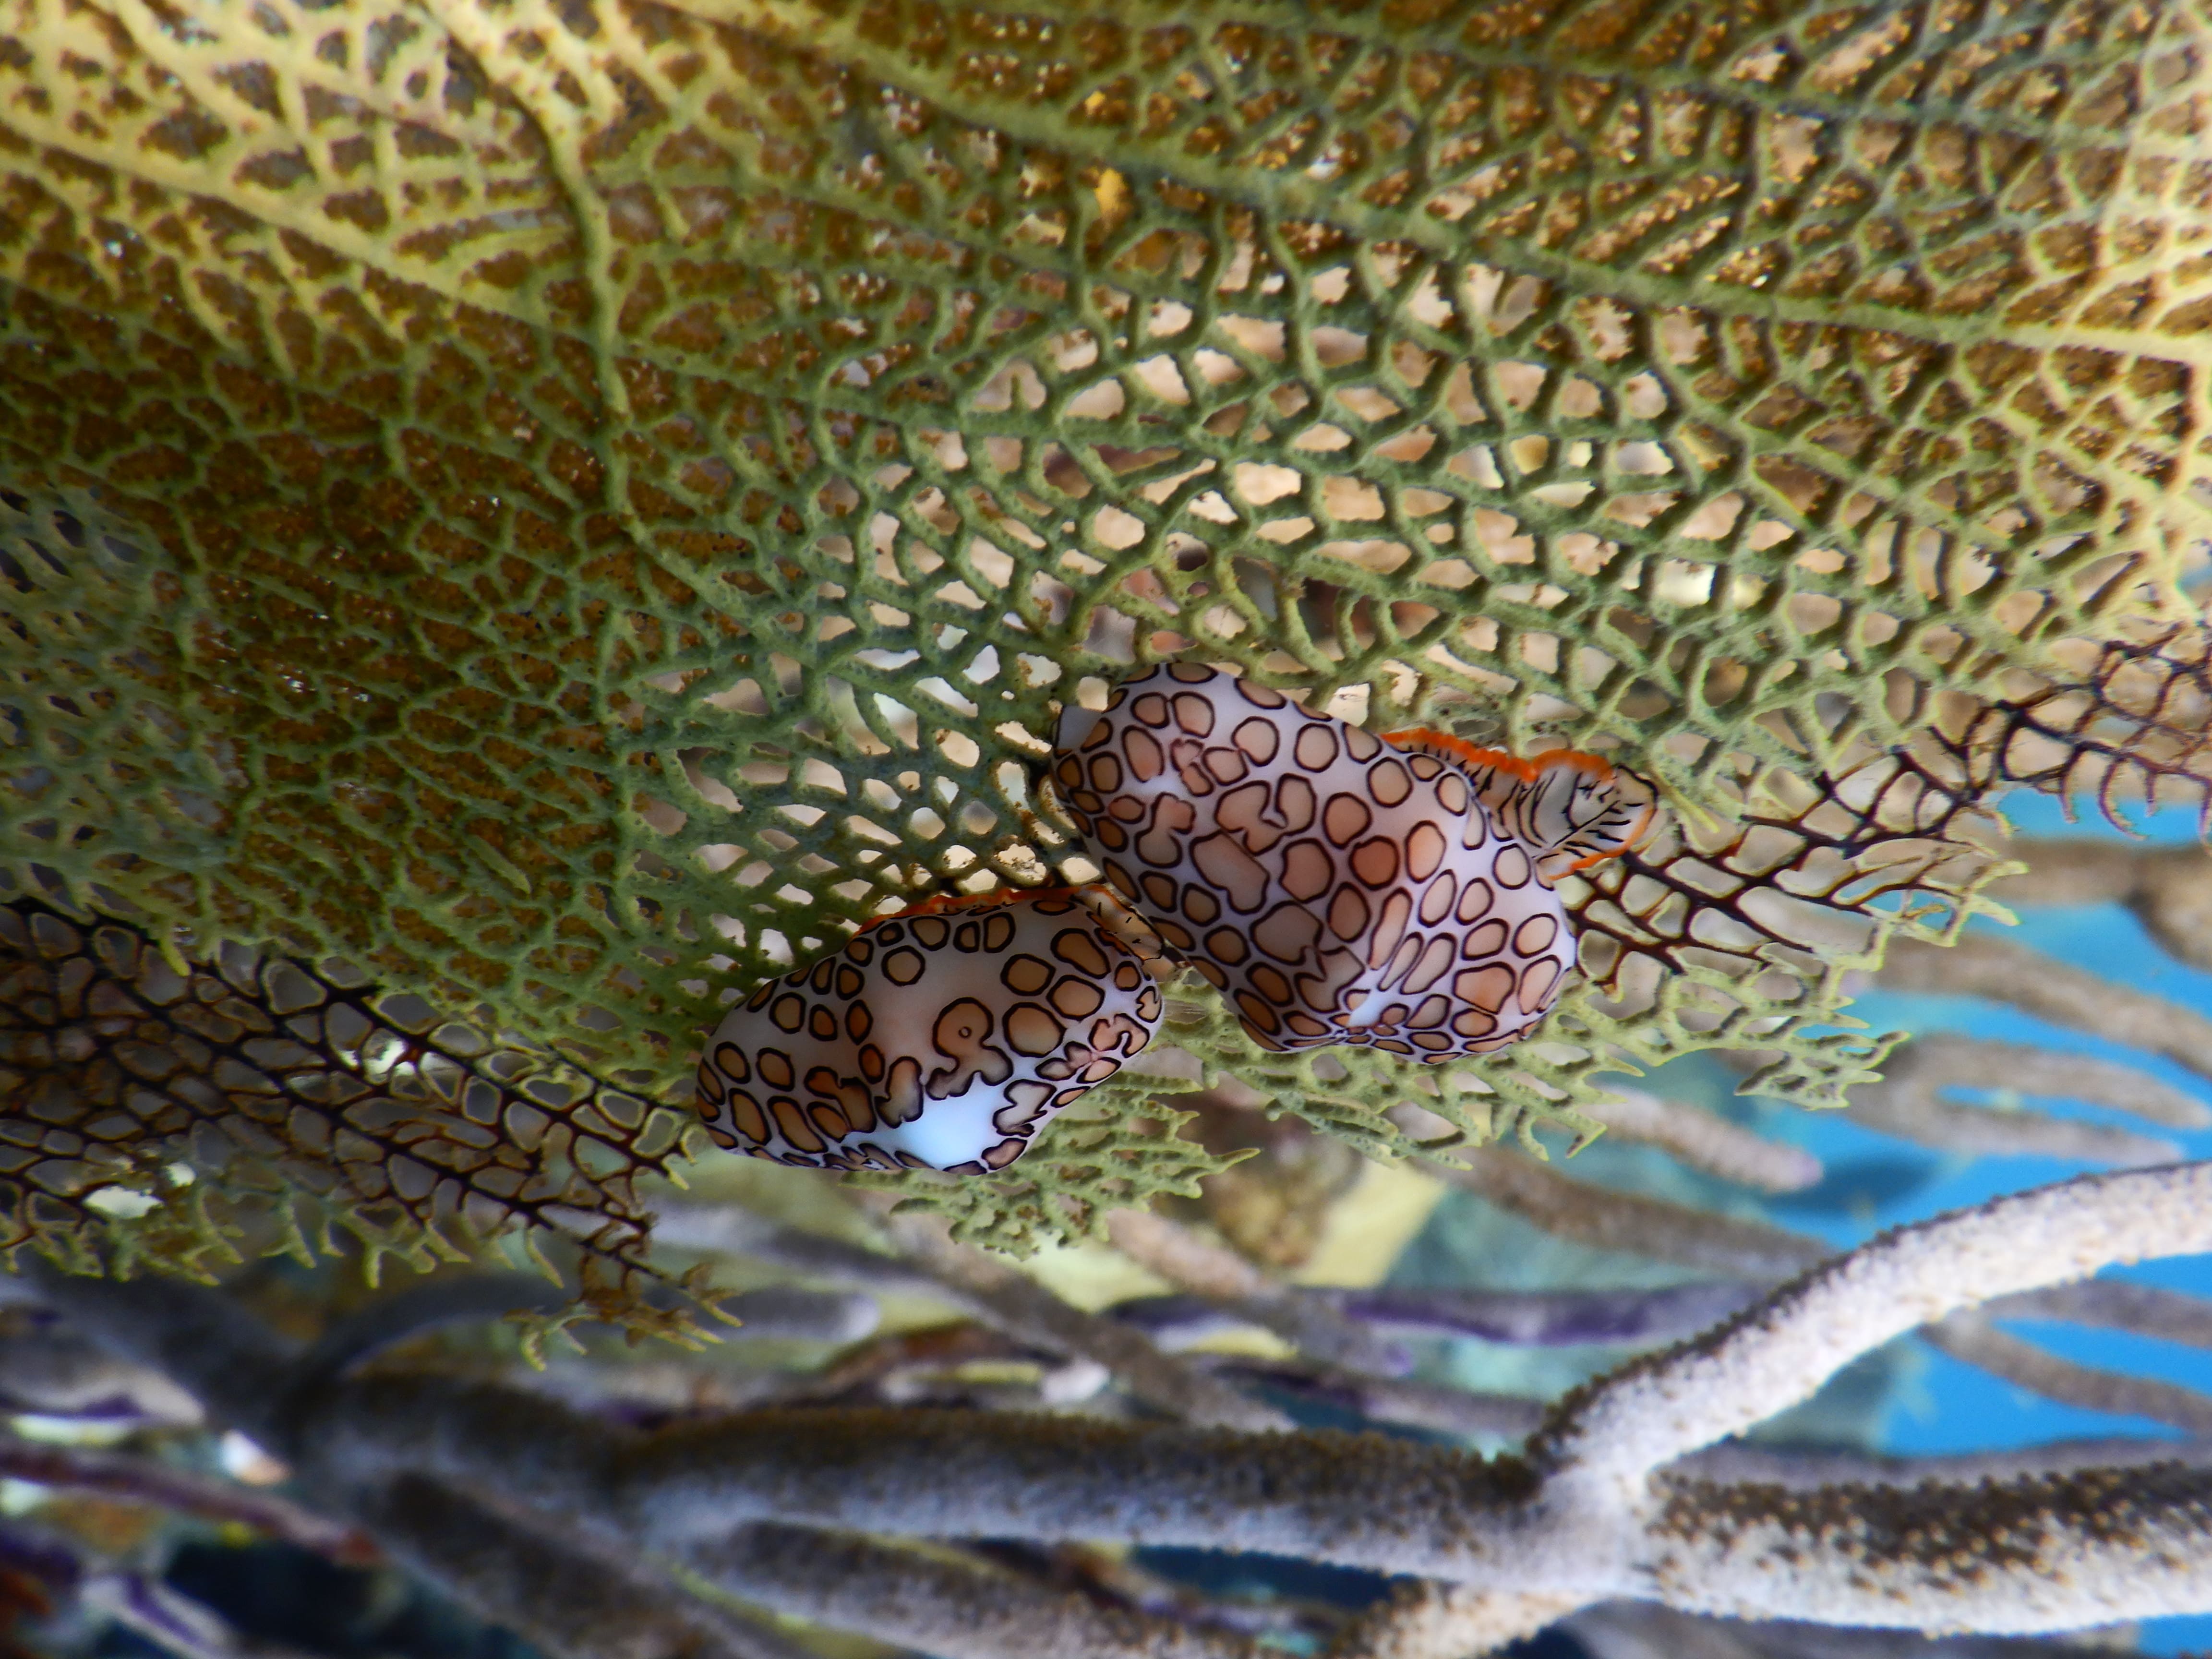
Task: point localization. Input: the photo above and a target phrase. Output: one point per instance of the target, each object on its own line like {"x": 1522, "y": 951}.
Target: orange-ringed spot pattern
{"x": 942, "y": 1037}
{"x": 1336, "y": 886}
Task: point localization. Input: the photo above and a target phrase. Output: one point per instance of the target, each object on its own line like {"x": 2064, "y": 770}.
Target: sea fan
{"x": 570, "y": 508}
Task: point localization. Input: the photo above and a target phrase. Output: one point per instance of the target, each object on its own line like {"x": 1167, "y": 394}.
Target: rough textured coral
{"x": 626, "y": 482}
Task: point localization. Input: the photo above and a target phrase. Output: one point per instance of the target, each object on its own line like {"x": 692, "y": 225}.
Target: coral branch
{"x": 119, "y": 1475}
{"x": 1412, "y": 1404}
{"x": 1307, "y": 1321}
{"x": 1745, "y": 1462}
{"x": 2076, "y": 870}
{"x": 457, "y": 1299}
{"x": 786, "y": 1312}
{"x": 1609, "y": 1220}
{"x": 1909, "y": 1102}
{"x": 711, "y": 1229}
{"x": 2168, "y": 888}
{"x": 567, "y": 1601}
{"x": 937, "y": 1605}
{"x": 1534, "y": 1319}
{"x": 1440, "y": 1621}
{"x": 235, "y": 1366}
{"x": 1642, "y": 1630}
{"x": 2061, "y": 1553}
{"x": 2117, "y": 1304}
{"x": 933, "y": 1265}
{"x": 1591, "y": 1515}
{"x": 1655, "y": 1410}
{"x": 1972, "y": 1338}
{"x": 1706, "y": 1140}
{"x": 2005, "y": 970}
{"x": 1023, "y": 1309}
{"x": 55, "y": 1373}
{"x": 1551, "y": 1318}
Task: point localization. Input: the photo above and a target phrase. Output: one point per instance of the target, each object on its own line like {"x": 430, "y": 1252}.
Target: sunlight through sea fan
{"x": 614, "y": 490}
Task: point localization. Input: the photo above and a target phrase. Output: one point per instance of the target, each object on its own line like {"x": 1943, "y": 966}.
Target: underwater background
{"x": 1400, "y": 1227}
{"x": 1909, "y": 1399}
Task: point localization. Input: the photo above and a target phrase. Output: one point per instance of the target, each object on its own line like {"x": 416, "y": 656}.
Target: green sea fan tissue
{"x": 566, "y": 509}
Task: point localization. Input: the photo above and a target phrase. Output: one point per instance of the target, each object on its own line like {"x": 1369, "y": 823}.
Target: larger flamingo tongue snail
{"x": 1340, "y": 887}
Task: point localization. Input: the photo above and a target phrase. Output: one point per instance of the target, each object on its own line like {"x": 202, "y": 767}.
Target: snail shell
{"x": 944, "y": 1037}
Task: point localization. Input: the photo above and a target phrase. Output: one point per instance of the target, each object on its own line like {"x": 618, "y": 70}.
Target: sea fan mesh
{"x": 266, "y": 1086}
{"x": 616, "y": 488}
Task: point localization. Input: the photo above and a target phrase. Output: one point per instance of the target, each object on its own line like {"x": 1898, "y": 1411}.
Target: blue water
{"x": 1911, "y": 1399}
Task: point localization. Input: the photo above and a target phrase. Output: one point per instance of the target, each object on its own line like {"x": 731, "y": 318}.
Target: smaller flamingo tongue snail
{"x": 942, "y": 1037}
{"x": 1339, "y": 887}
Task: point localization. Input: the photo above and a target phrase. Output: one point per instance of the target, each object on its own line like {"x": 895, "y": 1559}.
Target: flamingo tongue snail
{"x": 1339, "y": 887}
{"x": 942, "y": 1037}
